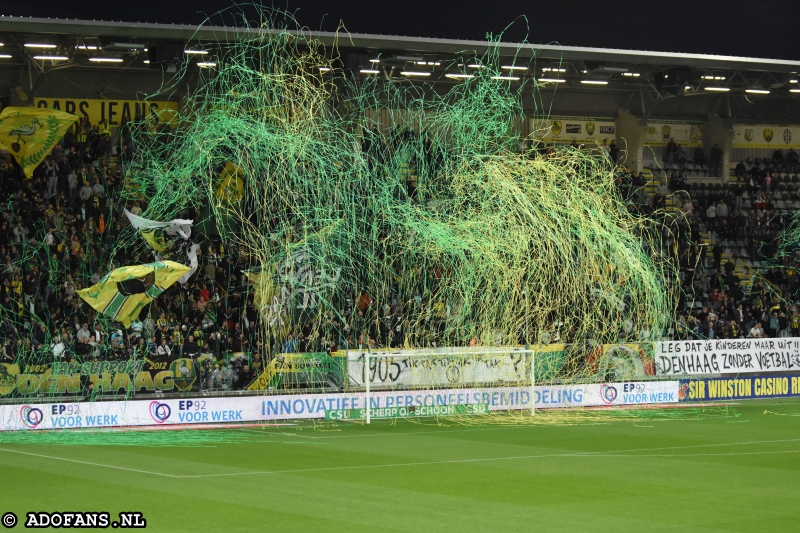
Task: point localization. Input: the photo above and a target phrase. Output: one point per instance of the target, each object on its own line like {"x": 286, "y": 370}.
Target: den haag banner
{"x": 766, "y": 136}
{"x": 730, "y": 356}
{"x": 113, "y": 111}
{"x": 660, "y": 133}
{"x": 580, "y": 129}
{"x": 148, "y": 375}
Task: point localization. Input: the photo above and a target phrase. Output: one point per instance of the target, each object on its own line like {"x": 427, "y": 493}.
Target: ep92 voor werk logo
{"x": 31, "y": 416}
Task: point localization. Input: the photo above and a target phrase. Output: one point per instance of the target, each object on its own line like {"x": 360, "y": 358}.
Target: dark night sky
{"x": 766, "y": 29}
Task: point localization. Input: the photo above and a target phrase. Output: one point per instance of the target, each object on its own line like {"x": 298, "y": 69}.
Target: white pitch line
{"x": 89, "y": 463}
{"x": 693, "y": 454}
{"x": 405, "y": 433}
{"x": 606, "y": 453}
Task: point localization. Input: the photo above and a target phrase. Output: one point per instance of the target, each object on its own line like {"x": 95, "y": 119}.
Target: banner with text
{"x": 583, "y": 130}
{"x": 660, "y": 133}
{"x": 765, "y": 136}
{"x": 109, "y": 377}
{"x": 112, "y": 111}
{"x": 443, "y": 367}
{"x": 739, "y": 388}
{"x": 300, "y": 406}
{"x": 678, "y": 358}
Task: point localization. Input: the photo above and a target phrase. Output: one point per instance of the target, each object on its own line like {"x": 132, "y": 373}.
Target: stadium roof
{"x": 139, "y": 30}
{"x": 589, "y": 81}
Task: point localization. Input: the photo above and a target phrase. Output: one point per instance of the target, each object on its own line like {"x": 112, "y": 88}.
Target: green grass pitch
{"x": 709, "y": 474}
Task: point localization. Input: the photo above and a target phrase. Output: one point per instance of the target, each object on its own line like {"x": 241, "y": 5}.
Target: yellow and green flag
{"x": 123, "y": 292}
{"x": 156, "y": 241}
{"x": 31, "y": 133}
{"x": 264, "y": 290}
{"x": 230, "y": 184}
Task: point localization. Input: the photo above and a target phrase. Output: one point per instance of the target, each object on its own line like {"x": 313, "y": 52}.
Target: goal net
{"x": 443, "y": 382}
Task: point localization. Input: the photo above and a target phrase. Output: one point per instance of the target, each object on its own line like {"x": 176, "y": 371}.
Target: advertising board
{"x": 304, "y": 406}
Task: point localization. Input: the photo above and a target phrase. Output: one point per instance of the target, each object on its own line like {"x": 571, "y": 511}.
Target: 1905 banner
{"x": 731, "y": 356}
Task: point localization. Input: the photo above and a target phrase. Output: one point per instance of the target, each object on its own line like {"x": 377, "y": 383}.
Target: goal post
{"x": 463, "y": 373}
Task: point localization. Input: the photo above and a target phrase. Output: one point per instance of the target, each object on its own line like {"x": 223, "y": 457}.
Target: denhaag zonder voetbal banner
{"x": 728, "y": 356}
{"x": 303, "y": 406}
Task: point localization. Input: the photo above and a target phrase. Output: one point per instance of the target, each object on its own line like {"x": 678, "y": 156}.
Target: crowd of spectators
{"x": 752, "y": 293}
{"x": 60, "y": 232}
{"x": 63, "y": 229}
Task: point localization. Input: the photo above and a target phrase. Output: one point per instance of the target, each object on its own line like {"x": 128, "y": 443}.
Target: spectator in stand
{"x": 768, "y": 183}
{"x": 670, "y": 151}
{"x": 163, "y": 350}
{"x": 756, "y": 332}
{"x": 722, "y": 209}
{"x": 711, "y": 215}
{"x": 783, "y": 325}
{"x": 680, "y": 155}
{"x": 190, "y": 348}
{"x": 792, "y": 157}
{"x": 716, "y": 251}
{"x": 777, "y": 157}
{"x": 84, "y": 333}
{"x": 699, "y": 156}
{"x": 774, "y": 325}
{"x": 613, "y": 151}
{"x": 716, "y": 161}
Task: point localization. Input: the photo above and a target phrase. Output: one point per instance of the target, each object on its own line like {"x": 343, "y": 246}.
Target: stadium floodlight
{"x": 324, "y": 69}
{"x": 5, "y": 56}
{"x": 376, "y": 60}
{"x": 794, "y": 90}
{"x": 510, "y": 78}
{"x": 206, "y": 64}
{"x": 105, "y": 60}
{"x": 475, "y": 65}
{"x": 594, "y": 82}
{"x": 51, "y": 58}
{"x": 553, "y": 69}
{"x": 793, "y": 80}
{"x": 369, "y": 71}
{"x": 717, "y": 89}
{"x": 551, "y": 80}
{"x": 631, "y": 74}
{"x": 756, "y": 91}
{"x": 196, "y": 52}
{"x": 512, "y": 67}
{"x": 414, "y": 73}
{"x": 429, "y": 63}
{"x": 146, "y": 61}
{"x": 456, "y": 75}
{"x": 85, "y": 47}
{"x": 39, "y": 45}
{"x": 429, "y": 368}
